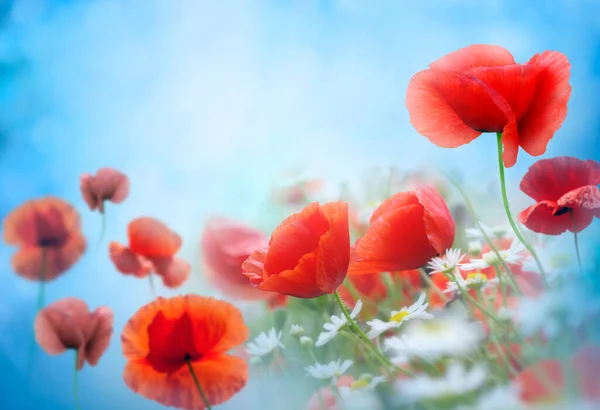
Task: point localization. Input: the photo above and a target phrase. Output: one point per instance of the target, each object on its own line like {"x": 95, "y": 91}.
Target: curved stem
{"x": 509, "y": 215}
{"x": 575, "y": 238}
{"x": 103, "y": 226}
{"x": 364, "y": 338}
{"x": 198, "y": 386}
{"x": 40, "y": 305}
{"x": 151, "y": 281}
{"x": 75, "y": 390}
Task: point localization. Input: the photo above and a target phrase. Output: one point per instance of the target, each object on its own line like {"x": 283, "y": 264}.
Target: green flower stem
{"x": 198, "y": 386}
{"x": 432, "y": 285}
{"x": 365, "y": 339}
{"x": 466, "y": 294}
{"x": 151, "y": 282}
{"x": 575, "y": 239}
{"x": 75, "y": 390}
{"x": 509, "y": 215}
{"x": 103, "y": 225}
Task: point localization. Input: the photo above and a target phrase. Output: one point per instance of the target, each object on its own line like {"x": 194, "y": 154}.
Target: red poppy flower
{"x": 152, "y": 248}
{"x": 545, "y": 381}
{"x": 168, "y": 336}
{"x": 48, "y": 234}
{"x": 225, "y": 245}
{"x": 308, "y": 253}
{"x": 68, "y": 324}
{"x": 567, "y": 195}
{"x": 406, "y": 231}
{"x": 480, "y": 89}
{"x": 107, "y": 185}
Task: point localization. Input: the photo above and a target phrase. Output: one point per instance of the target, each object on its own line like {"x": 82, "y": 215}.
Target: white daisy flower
{"x": 447, "y": 264}
{"x": 416, "y": 311}
{"x": 495, "y": 232}
{"x": 331, "y": 370}
{"x": 296, "y": 330}
{"x": 452, "y": 334}
{"x": 264, "y": 344}
{"x": 514, "y": 254}
{"x": 456, "y": 381}
{"x": 337, "y": 322}
{"x": 475, "y": 280}
{"x": 362, "y": 385}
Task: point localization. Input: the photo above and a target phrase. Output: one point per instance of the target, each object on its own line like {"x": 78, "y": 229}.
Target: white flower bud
{"x": 296, "y": 331}
{"x": 306, "y": 341}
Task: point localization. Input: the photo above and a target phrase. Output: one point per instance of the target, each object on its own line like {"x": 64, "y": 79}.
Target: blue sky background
{"x": 203, "y": 103}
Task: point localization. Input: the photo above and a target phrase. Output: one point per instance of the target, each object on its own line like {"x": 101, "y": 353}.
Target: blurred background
{"x": 205, "y": 104}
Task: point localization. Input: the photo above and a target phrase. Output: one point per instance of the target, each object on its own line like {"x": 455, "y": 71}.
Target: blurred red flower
{"x": 107, "y": 185}
{"x": 168, "y": 337}
{"x": 225, "y": 245}
{"x": 567, "y": 195}
{"x": 480, "y": 88}
{"x": 48, "y": 234}
{"x": 152, "y": 248}
{"x": 68, "y": 324}
{"x": 307, "y": 255}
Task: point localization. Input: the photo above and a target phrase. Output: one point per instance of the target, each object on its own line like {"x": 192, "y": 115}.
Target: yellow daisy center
{"x": 359, "y": 384}
{"x": 478, "y": 276}
{"x": 399, "y": 317}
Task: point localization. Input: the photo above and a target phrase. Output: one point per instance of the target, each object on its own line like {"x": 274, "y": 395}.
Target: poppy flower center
{"x": 171, "y": 343}
{"x": 561, "y": 211}
{"x": 51, "y": 242}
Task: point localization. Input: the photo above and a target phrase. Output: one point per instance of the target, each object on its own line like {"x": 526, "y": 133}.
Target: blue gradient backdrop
{"x": 201, "y": 103}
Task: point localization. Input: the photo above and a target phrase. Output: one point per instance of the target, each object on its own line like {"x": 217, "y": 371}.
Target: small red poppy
{"x": 480, "y": 88}
{"x": 152, "y": 248}
{"x": 168, "y": 336}
{"x": 567, "y": 195}
{"x": 225, "y": 245}
{"x": 308, "y": 253}
{"x": 107, "y": 185}
{"x": 68, "y": 324}
{"x": 406, "y": 231}
{"x": 48, "y": 234}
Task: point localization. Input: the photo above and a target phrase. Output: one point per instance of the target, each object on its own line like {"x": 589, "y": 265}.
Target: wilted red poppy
{"x": 107, "y": 185}
{"x": 480, "y": 89}
{"x": 407, "y": 230}
{"x": 225, "y": 245}
{"x": 308, "y": 253}
{"x": 566, "y": 192}
{"x": 546, "y": 380}
{"x": 68, "y": 324}
{"x": 168, "y": 339}
{"x": 48, "y": 234}
{"x": 152, "y": 248}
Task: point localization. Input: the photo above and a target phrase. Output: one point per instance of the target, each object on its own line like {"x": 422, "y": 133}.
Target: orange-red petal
{"x": 218, "y": 326}
{"x": 128, "y": 262}
{"x": 221, "y": 376}
{"x": 99, "y": 339}
{"x": 173, "y": 271}
{"x": 151, "y": 238}
{"x": 334, "y": 247}
{"x": 548, "y": 109}
{"x": 475, "y": 55}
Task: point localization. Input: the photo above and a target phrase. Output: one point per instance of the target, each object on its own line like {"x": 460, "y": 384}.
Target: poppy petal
{"x": 128, "y": 262}
{"x": 220, "y": 377}
{"x": 100, "y": 338}
{"x": 334, "y": 248}
{"x": 295, "y": 282}
{"x": 548, "y": 108}
{"x": 87, "y": 191}
{"x": 540, "y": 218}
{"x": 587, "y": 364}
{"x": 254, "y": 267}
{"x": 219, "y": 325}
{"x": 475, "y": 55}
{"x": 46, "y": 264}
{"x": 542, "y": 381}
{"x": 61, "y": 325}
{"x": 296, "y": 236}
{"x": 549, "y": 179}
{"x": 173, "y": 272}
{"x": 431, "y": 114}
{"x": 151, "y": 238}
{"x": 385, "y": 248}
{"x": 110, "y": 184}
{"x": 439, "y": 224}
{"x": 586, "y": 197}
